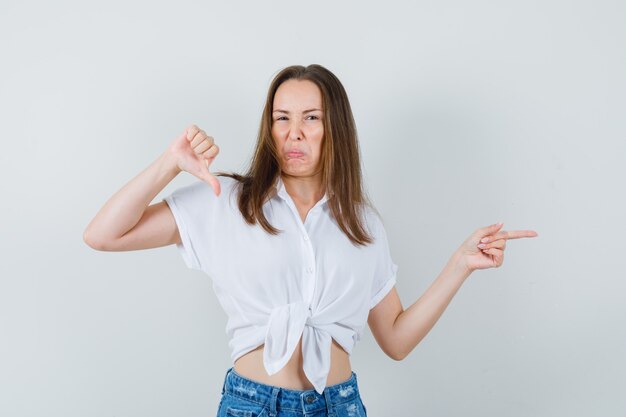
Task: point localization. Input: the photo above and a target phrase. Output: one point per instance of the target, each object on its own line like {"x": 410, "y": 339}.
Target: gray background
{"x": 469, "y": 113}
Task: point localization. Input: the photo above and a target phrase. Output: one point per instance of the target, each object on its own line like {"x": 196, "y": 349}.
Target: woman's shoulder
{"x": 228, "y": 181}
{"x": 372, "y": 219}
{"x": 201, "y": 191}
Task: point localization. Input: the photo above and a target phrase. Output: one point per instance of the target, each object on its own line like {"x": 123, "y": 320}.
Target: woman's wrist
{"x": 458, "y": 265}
{"x": 168, "y": 164}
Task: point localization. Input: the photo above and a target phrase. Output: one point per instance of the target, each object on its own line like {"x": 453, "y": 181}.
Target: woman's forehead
{"x": 298, "y": 95}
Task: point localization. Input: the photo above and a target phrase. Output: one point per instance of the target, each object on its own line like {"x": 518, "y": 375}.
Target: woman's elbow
{"x": 93, "y": 242}
{"x": 396, "y": 354}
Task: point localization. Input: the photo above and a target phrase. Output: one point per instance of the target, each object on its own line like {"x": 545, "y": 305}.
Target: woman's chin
{"x": 298, "y": 171}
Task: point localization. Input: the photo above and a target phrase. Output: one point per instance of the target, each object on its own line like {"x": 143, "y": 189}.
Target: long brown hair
{"x": 340, "y": 159}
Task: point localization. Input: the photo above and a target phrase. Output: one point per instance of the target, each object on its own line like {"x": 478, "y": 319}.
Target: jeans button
{"x": 310, "y": 399}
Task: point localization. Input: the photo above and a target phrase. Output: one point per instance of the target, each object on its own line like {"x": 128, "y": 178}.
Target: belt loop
{"x": 225, "y": 378}
{"x": 273, "y": 400}
{"x": 329, "y": 404}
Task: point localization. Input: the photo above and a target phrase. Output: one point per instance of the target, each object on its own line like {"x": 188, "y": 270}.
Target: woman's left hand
{"x": 485, "y": 247}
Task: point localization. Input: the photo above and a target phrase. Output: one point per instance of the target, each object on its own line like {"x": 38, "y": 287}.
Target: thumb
{"x": 489, "y": 230}
{"x": 209, "y": 178}
{"x": 215, "y": 184}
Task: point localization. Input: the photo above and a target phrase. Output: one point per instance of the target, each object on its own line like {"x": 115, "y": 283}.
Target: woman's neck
{"x": 304, "y": 190}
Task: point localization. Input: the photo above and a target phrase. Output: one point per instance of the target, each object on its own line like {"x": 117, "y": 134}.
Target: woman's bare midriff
{"x": 292, "y": 376}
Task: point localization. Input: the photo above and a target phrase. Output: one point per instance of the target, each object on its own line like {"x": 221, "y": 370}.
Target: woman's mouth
{"x": 295, "y": 154}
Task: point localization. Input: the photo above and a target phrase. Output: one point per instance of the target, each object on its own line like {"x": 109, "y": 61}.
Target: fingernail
{"x": 484, "y": 240}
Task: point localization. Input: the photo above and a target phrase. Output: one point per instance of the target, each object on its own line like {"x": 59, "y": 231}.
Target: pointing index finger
{"x": 514, "y": 234}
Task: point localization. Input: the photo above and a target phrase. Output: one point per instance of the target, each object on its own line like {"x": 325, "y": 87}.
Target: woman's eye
{"x": 281, "y": 118}
{"x": 313, "y": 117}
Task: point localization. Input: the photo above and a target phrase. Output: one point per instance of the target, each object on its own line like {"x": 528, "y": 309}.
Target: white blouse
{"x": 309, "y": 280}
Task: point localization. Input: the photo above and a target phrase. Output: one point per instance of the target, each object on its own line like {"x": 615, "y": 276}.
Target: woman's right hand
{"x": 194, "y": 151}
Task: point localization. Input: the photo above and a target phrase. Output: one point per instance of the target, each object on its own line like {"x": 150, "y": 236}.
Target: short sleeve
{"x": 194, "y": 207}
{"x": 386, "y": 269}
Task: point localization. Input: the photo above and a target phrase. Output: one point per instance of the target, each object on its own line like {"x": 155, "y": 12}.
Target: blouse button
{"x": 305, "y": 237}
{"x": 309, "y": 270}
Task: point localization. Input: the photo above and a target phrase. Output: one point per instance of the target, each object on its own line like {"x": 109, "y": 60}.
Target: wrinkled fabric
{"x": 308, "y": 282}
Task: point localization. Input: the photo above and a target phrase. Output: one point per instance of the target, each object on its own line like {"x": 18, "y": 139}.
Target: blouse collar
{"x": 280, "y": 191}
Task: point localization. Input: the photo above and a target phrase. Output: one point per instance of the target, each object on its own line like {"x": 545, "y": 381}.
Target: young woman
{"x": 298, "y": 257}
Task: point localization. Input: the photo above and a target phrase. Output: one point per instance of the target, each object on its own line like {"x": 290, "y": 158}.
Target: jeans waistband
{"x": 278, "y": 398}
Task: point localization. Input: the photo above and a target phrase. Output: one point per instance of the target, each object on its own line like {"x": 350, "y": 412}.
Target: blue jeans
{"x": 243, "y": 397}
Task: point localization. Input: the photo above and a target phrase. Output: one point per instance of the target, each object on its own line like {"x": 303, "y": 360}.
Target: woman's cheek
{"x": 315, "y": 133}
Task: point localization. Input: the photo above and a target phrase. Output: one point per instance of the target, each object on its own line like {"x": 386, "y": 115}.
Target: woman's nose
{"x": 295, "y": 131}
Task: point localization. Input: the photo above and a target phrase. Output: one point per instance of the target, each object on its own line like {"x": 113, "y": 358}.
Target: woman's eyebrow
{"x": 285, "y": 111}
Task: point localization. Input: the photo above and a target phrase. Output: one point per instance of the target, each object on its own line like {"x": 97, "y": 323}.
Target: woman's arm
{"x": 125, "y": 222}
{"x": 109, "y": 229}
{"x": 398, "y": 331}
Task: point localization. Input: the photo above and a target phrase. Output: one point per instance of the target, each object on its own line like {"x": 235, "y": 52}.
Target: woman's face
{"x": 298, "y": 127}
